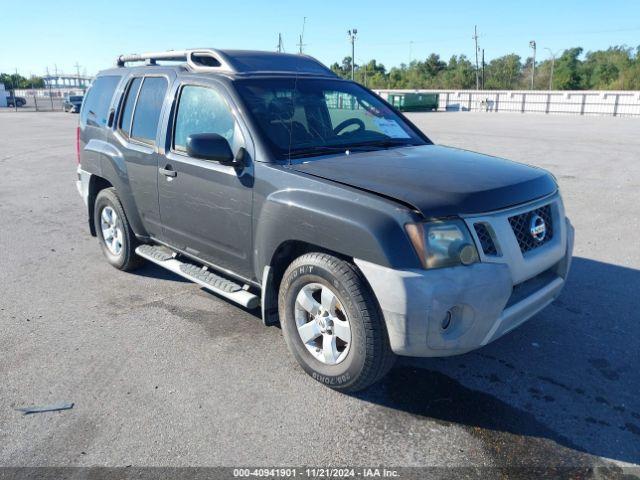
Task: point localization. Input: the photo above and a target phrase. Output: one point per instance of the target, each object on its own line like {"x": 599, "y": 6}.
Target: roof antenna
{"x": 300, "y": 45}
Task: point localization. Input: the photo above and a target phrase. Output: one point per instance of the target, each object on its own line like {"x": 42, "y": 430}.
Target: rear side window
{"x": 147, "y": 110}
{"x": 96, "y": 106}
{"x": 129, "y": 103}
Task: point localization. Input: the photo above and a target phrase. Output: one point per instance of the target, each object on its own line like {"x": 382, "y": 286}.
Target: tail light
{"x": 78, "y": 145}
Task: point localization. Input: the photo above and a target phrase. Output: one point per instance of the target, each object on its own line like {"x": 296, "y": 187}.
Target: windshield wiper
{"x": 322, "y": 149}
{"x": 356, "y": 147}
{"x": 387, "y": 143}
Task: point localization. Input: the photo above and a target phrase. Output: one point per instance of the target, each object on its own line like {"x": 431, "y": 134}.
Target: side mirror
{"x": 211, "y": 146}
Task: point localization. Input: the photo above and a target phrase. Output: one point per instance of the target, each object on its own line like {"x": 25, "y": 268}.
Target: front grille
{"x": 486, "y": 241}
{"x": 521, "y": 225}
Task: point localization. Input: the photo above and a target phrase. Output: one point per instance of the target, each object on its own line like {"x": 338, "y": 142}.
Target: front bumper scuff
{"x": 475, "y": 300}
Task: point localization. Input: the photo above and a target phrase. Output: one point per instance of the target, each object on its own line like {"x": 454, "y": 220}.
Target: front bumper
{"x": 477, "y": 304}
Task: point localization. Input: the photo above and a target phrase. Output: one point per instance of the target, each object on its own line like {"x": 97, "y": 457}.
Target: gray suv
{"x": 266, "y": 179}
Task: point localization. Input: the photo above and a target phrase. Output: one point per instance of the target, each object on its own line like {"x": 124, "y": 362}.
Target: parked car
{"x": 72, "y": 103}
{"x": 268, "y": 180}
{"x": 16, "y": 101}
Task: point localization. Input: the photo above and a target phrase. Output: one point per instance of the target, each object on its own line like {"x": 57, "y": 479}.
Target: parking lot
{"x": 162, "y": 373}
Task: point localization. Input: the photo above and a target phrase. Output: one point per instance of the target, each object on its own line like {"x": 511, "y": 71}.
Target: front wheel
{"x": 332, "y": 323}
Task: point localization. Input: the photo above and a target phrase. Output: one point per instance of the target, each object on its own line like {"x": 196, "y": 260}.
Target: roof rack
{"x": 199, "y": 60}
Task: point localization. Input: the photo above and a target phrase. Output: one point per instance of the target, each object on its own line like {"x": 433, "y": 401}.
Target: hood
{"x": 437, "y": 181}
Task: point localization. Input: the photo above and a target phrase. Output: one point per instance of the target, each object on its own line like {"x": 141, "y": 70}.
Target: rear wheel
{"x": 116, "y": 238}
{"x": 332, "y": 323}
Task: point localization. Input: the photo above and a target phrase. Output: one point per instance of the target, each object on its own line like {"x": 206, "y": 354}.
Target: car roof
{"x": 230, "y": 63}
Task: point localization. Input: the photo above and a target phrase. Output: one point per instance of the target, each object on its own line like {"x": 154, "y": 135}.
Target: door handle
{"x": 168, "y": 172}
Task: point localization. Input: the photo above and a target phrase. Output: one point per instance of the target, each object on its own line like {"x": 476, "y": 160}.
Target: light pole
{"x": 553, "y": 63}
{"x": 532, "y": 44}
{"x": 351, "y": 35}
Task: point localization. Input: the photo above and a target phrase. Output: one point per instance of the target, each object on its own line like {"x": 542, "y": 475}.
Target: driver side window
{"x": 204, "y": 110}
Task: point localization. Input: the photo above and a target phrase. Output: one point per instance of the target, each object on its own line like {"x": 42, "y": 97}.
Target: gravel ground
{"x": 164, "y": 374}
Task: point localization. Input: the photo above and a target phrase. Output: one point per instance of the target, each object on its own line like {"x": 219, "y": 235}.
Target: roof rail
{"x": 199, "y": 60}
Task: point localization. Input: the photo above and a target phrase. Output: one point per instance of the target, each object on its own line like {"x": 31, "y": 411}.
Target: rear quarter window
{"x": 129, "y": 104}
{"x": 95, "y": 108}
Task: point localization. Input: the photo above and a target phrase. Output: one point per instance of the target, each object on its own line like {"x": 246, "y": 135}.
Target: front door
{"x": 205, "y": 207}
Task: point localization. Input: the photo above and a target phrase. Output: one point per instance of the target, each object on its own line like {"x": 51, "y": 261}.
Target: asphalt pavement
{"x": 162, "y": 373}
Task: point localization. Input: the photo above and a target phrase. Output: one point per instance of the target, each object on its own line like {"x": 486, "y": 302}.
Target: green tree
{"x": 460, "y": 73}
{"x": 617, "y": 68}
{"x": 567, "y": 74}
{"x": 503, "y": 73}
{"x": 605, "y": 69}
{"x": 13, "y": 80}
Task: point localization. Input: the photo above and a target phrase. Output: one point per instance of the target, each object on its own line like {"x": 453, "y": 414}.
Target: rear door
{"x": 205, "y": 206}
{"x": 137, "y": 134}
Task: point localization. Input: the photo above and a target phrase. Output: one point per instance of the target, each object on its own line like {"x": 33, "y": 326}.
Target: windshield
{"x": 75, "y": 99}
{"x": 307, "y": 117}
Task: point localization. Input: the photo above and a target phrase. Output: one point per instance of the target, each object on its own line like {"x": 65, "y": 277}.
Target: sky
{"x": 59, "y": 34}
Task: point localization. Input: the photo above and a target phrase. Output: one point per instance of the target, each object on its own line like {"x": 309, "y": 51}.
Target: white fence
{"x": 574, "y": 102}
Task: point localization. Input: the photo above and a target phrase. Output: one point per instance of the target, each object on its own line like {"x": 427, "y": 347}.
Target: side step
{"x": 200, "y": 275}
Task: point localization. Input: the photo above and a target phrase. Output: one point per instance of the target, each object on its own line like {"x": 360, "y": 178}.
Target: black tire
{"x": 369, "y": 356}
{"x": 126, "y": 259}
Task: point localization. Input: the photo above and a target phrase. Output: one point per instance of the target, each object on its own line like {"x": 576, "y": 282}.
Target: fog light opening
{"x": 446, "y": 321}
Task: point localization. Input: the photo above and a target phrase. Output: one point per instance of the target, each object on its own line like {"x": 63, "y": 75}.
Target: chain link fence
{"x": 39, "y": 99}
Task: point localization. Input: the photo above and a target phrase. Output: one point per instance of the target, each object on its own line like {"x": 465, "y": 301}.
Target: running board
{"x": 200, "y": 275}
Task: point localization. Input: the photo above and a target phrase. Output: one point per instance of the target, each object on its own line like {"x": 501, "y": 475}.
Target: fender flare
{"x": 369, "y": 231}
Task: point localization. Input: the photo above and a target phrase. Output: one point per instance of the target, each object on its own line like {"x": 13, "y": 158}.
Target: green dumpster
{"x": 414, "y": 102}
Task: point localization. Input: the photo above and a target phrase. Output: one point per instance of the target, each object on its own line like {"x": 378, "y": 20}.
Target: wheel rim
{"x": 322, "y": 323}
{"x": 111, "y": 230}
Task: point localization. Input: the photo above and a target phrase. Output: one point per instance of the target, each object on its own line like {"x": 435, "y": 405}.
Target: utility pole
{"x": 532, "y": 44}
{"x": 351, "y": 36}
{"x": 483, "y": 69}
{"x": 15, "y": 83}
{"x": 33, "y": 89}
{"x": 280, "y": 45}
{"x": 475, "y": 38}
{"x": 301, "y": 45}
{"x": 553, "y": 62}
{"x": 50, "y": 95}
{"x": 365, "y": 70}
{"x": 77, "y": 65}
{"x": 410, "y": 52}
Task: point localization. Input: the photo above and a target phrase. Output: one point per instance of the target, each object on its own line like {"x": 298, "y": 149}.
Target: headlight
{"x": 445, "y": 243}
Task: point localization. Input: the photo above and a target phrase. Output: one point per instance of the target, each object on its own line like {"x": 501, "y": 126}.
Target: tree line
{"x": 616, "y": 68}
{"x": 14, "y": 80}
